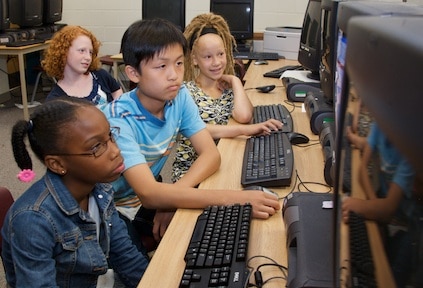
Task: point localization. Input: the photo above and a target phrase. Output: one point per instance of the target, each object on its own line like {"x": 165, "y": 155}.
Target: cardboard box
{"x": 283, "y": 40}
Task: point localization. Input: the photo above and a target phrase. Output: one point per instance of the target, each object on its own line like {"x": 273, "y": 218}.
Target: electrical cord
{"x": 258, "y": 277}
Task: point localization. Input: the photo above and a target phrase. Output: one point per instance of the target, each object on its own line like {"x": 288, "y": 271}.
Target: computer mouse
{"x": 297, "y": 138}
{"x": 266, "y": 89}
{"x": 261, "y": 62}
{"x": 264, "y": 189}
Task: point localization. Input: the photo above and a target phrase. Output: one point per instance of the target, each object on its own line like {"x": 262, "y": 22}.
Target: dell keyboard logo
{"x": 236, "y": 277}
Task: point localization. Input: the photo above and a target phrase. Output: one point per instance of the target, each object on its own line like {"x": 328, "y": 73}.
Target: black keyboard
{"x": 24, "y": 43}
{"x": 268, "y": 161}
{"x": 362, "y": 267}
{"x": 277, "y": 73}
{"x": 217, "y": 252}
{"x": 276, "y": 111}
{"x": 256, "y": 55}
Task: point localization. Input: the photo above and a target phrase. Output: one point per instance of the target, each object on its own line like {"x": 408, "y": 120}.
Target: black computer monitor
{"x": 173, "y": 10}
{"x": 369, "y": 62}
{"x": 240, "y": 17}
{"x": 26, "y": 13}
{"x": 4, "y": 15}
{"x": 394, "y": 65}
{"x": 309, "y": 51}
{"x": 52, "y": 11}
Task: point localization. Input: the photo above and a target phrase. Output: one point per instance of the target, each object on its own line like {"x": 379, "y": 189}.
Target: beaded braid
{"x": 193, "y": 31}
{"x": 46, "y": 129}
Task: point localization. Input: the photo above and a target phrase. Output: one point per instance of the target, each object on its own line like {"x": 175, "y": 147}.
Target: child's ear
{"x": 55, "y": 164}
{"x": 132, "y": 73}
{"x": 194, "y": 59}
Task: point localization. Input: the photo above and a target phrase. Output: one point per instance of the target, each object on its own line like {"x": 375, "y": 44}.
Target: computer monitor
{"x": 26, "y": 13}
{"x": 173, "y": 10}
{"x": 52, "y": 11}
{"x": 394, "y": 66}
{"x": 4, "y": 15}
{"x": 240, "y": 17}
{"x": 373, "y": 71}
{"x": 309, "y": 50}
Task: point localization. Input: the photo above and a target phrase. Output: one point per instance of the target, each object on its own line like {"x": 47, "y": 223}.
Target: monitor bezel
{"x": 239, "y": 35}
{"x": 146, "y": 13}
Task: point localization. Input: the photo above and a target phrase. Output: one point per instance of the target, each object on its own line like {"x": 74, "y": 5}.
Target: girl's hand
{"x": 226, "y": 81}
{"x": 264, "y": 128}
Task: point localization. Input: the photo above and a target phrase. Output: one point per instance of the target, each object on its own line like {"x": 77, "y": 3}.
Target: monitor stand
{"x": 327, "y": 140}
{"x": 244, "y": 46}
{"x": 310, "y": 239}
{"x": 318, "y": 110}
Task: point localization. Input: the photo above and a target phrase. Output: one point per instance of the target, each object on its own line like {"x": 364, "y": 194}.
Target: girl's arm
{"x": 243, "y": 109}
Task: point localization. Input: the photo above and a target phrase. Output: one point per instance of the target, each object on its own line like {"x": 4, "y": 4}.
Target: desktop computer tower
{"x": 308, "y": 220}
{"x": 318, "y": 110}
{"x": 296, "y": 90}
{"x": 327, "y": 141}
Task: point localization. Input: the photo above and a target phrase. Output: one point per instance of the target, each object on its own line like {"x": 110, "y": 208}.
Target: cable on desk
{"x": 296, "y": 187}
{"x": 314, "y": 142}
{"x": 257, "y": 274}
{"x": 291, "y": 103}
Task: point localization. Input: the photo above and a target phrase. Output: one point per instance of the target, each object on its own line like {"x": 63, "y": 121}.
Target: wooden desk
{"x": 21, "y": 52}
{"x": 267, "y": 237}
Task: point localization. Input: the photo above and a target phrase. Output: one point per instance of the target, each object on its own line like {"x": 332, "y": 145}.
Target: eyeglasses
{"x": 98, "y": 149}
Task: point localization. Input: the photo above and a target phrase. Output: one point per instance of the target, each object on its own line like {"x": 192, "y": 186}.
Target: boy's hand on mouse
{"x": 264, "y": 204}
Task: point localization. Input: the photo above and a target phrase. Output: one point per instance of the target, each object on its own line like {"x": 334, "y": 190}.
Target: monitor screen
{"x": 26, "y": 13}
{"x": 239, "y": 14}
{"x": 352, "y": 111}
{"x": 309, "y": 51}
{"x": 173, "y": 10}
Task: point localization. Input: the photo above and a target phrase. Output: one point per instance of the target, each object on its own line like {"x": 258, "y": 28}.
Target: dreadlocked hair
{"x": 193, "y": 32}
{"x": 46, "y": 129}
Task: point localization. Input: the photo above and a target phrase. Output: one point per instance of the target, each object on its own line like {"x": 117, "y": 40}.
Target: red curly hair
{"x": 56, "y": 55}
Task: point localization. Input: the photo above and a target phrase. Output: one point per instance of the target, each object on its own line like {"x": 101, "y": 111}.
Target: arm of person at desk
{"x": 243, "y": 109}
{"x": 234, "y": 130}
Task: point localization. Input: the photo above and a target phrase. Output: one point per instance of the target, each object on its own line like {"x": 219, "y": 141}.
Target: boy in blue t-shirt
{"x": 150, "y": 118}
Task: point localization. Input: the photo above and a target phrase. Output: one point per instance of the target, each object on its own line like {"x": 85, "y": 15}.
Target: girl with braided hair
{"x": 218, "y": 93}
{"x": 64, "y": 231}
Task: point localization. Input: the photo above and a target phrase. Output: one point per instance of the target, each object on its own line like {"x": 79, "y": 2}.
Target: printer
{"x": 283, "y": 40}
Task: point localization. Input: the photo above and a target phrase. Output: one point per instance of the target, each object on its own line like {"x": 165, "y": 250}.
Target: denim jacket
{"x": 48, "y": 241}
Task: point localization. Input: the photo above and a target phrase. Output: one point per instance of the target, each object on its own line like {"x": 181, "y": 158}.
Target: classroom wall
{"x": 108, "y": 19}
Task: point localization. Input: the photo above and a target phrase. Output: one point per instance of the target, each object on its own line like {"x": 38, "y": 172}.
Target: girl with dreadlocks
{"x": 218, "y": 93}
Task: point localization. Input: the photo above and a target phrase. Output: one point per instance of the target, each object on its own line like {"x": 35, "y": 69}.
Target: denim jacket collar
{"x": 102, "y": 192}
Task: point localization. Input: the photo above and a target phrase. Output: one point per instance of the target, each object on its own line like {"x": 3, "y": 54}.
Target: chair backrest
{"x": 6, "y": 200}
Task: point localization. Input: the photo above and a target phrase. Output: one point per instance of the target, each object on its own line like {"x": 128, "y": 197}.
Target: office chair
{"x": 37, "y": 82}
{"x": 6, "y": 200}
